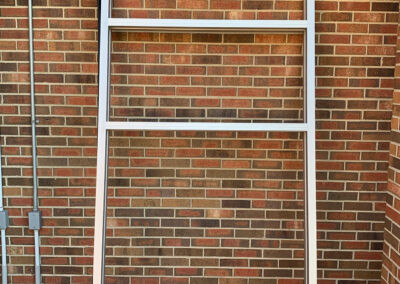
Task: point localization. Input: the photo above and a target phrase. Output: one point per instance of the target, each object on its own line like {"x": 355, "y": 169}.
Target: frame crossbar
{"x": 208, "y": 25}
{"x": 207, "y": 126}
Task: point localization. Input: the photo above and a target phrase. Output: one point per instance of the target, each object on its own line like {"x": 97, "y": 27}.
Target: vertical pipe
{"x": 3, "y": 233}
{"x": 34, "y": 154}
{"x": 33, "y": 114}
{"x": 37, "y": 257}
{"x": 1, "y": 184}
{"x": 3, "y": 257}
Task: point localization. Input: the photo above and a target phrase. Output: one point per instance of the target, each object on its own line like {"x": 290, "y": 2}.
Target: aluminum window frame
{"x": 307, "y": 127}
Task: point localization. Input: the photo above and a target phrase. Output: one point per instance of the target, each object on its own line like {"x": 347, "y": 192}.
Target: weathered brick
{"x": 356, "y": 125}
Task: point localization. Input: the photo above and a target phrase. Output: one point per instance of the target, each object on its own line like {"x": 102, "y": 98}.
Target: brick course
{"x": 356, "y": 48}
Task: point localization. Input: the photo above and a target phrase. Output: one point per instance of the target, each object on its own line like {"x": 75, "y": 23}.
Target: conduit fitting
{"x": 4, "y": 221}
{"x": 35, "y": 220}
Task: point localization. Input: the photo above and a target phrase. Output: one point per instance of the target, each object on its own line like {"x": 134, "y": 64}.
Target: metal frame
{"x": 308, "y": 127}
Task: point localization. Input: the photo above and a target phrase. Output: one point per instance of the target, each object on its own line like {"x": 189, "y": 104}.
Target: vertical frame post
{"x": 310, "y": 249}
{"x": 102, "y": 147}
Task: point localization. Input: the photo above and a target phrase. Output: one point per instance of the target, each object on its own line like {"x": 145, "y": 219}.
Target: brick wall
{"x": 200, "y": 206}
{"x": 355, "y": 79}
{"x": 66, "y": 88}
{"x": 207, "y": 77}
{"x": 356, "y": 53}
{"x": 391, "y": 263}
{"x": 209, "y": 9}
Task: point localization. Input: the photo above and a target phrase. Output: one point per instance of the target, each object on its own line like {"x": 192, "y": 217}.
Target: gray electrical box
{"x": 35, "y": 220}
{"x": 4, "y": 220}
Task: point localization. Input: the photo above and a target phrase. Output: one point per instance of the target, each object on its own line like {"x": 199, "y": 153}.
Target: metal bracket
{"x": 4, "y": 221}
{"x": 35, "y": 220}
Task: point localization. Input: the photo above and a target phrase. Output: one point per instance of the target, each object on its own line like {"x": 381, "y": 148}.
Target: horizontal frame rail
{"x": 207, "y": 126}
{"x": 208, "y": 25}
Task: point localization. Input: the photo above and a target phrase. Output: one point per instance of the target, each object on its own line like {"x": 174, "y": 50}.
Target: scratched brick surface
{"x": 202, "y": 206}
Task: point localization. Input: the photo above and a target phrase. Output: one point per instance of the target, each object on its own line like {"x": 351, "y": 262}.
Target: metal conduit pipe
{"x": 33, "y": 115}
{"x": 3, "y": 227}
{"x": 3, "y": 257}
{"x": 35, "y": 214}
